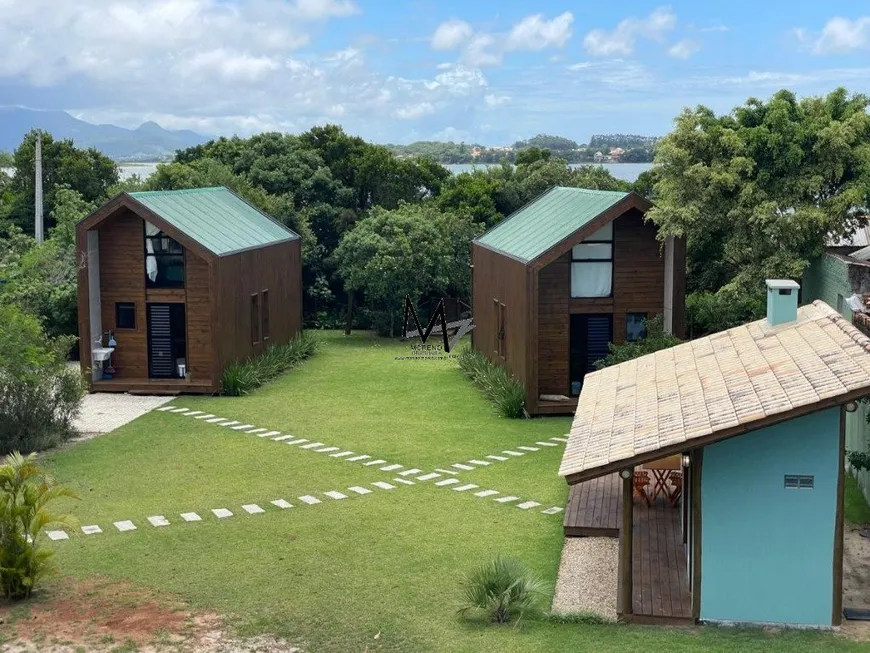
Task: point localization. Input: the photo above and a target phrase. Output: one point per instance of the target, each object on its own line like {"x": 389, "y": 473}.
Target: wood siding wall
{"x": 500, "y": 279}
{"x": 638, "y": 287}
{"x": 238, "y": 276}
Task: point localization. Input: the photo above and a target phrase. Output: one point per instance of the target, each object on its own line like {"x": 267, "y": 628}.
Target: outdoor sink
{"x": 101, "y": 354}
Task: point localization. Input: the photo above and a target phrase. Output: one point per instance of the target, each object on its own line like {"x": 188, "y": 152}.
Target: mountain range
{"x": 148, "y": 142}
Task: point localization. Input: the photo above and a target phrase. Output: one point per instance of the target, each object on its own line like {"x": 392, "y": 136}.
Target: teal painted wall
{"x": 766, "y": 551}
{"x": 825, "y": 278}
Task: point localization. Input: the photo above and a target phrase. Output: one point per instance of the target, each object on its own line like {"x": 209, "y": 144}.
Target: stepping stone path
{"x": 358, "y": 458}
{"x": 383, "y": 485}
{"x": 547, "y": 444}
{"x": 57, "y": 535}
{"x": 340, "y": 454}
{"x": 404, "y": 481}
{"x": 482, "y": 463}
{"x": 91, "y": 530}
{"x": 282, "y": 438}
{"x": 242, "y": 427}
{"x": 409, "y": 472}
{"x": 332, "y": 494}
{"x": 125, "y": 526}
{"x": 326, "y": 449}
{"x": 498, "y": 458}
{"x": 205, "y": 416}
{"x": 253, "y": 509}
{"x": 485, "y": 493}
{"x": 252, "y": 431}
{"x": 513, "y": 453}
{"x": 464, "y": 468}
{"x": 312, "y": 445}
{"x": 190, "y": 516}
{"x": 528, "y": 504}
{"x": 359, "y": 490}
{"x": 310, "y": 500}
{"x": 374, "y": 462}
{"x": 552, "y": 511}
{"x": 463, "y": 488}
{"x": 281, "y": 503}
{"x": 221, "y": 513}
{"x": 269, "y": 434}
{"x": 529, "y": 448}
{"x": 158, "y": 520}
{"x": 299, "y": 441}
{"x": 447, "y": 481}
{"x": 506, "y": 499}
{"x": 230, "y": 423}
{"x": 391, "y": 468}
{"x": 446, "y": 471}
{"x": 428, "y": 477}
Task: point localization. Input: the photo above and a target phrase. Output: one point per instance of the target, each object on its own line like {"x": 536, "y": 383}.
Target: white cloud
{"x": 537, "y": 33}
{"x": 621, "y": 40}
{"x": 228, "y": 65}
{"x": 322, "y": 9}
{"x": 715, "y": 28}
{"x": 450, "y": 34}
{"x": 839, "y": 35}
{"x": 414, "y": 111}
{"x": 683, "y": 49}
{"x": 483, "y": 50}
{"x": 493, "y": 100}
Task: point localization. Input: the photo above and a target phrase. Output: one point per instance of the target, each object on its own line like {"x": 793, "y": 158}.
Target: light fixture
{"x": 687, "y": 460}
{"x": 851, "y": 406}
{"x": 625, "y": 473}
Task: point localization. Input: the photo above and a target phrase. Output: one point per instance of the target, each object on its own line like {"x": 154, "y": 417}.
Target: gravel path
{"x": 104, "y": 411}
{"x": 587, "y": 579}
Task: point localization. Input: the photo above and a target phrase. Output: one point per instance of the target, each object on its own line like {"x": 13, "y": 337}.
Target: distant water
{"x": 624, "y": 171}
{"x": 144, "y": 170}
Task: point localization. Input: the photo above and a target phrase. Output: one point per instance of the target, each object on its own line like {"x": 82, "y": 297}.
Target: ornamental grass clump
{"x": 504, "y": 391}
{"x": 504, "y": 590}
{"x": 241, "y": 377}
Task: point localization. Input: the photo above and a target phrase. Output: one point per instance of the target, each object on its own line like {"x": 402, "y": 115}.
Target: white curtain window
{"x": 592, "y": 251}
{"x": 591, "y": 279}
{"x": 150, "y": 260}
{"x": 605, "y": 233}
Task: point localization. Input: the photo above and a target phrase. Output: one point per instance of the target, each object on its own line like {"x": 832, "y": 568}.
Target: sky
{"x": 399, "y": 71}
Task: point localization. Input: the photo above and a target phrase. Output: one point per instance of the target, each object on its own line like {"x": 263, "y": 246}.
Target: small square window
{"x": 125, "y": 315}
{"x": 797, "y": 482}
{"x": 635, "y": 326}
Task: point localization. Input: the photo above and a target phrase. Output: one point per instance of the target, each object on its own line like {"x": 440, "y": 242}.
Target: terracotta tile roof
{"x": 720, "y": 384}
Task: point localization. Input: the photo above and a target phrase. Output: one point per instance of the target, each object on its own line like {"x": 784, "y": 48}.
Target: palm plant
{"x": 504, "y": 590}
{"x": 26, "y": 491}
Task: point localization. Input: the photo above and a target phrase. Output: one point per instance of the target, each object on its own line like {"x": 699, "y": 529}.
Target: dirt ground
{"x": 856, "y": 580}
{"x": 107, "y": 616}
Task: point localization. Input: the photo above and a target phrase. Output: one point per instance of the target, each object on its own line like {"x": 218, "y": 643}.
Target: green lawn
{"x": 333, "y": 576}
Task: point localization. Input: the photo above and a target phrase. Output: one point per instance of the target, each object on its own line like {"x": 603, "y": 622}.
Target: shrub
{"x": 504, "y": 590}
{"x": 708, "y": 312}
{"x": 40, "y": 395}
{"x": 241, "y": 377}
{"x": 655, "y": 339}
{"x": 505, "y": 391}
{"x": 25, "y": 494}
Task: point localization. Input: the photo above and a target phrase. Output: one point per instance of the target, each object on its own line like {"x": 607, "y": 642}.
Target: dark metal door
{"x": 161, "y": 364}
{"x": 590, "y": 337}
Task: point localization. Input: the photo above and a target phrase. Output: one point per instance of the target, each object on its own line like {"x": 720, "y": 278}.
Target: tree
{"x": 759, "y": 191}
{"x": 654, "y": 340}
{"x": 532, "y": 154}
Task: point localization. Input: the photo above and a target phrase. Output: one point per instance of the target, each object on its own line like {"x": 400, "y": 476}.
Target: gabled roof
{"x": 216, "y": 218}
{"x": 713, "y": 388}
{"x": 549, "y": 219}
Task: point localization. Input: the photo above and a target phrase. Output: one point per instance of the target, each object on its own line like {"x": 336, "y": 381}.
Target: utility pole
{"x": 39, "y": 226}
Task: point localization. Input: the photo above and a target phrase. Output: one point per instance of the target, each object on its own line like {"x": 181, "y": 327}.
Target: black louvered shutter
{"x": 160, "y": 362}
{"x": 599, "y": 333}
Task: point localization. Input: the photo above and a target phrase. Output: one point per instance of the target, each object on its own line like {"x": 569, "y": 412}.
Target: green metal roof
{"x": 216, "y": 218}
{"x": 547, "y": 220}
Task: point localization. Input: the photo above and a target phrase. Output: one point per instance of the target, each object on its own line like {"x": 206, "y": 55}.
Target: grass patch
{"x": 241, "y": 377}
{"x": 855, "y": 508}
{"x": 505, "y": 392}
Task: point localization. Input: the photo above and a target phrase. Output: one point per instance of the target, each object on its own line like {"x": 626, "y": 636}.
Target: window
{"x": 265, "y": 318}
{"x": 795, "y": 482}
{"x": 592, "y": 265}
{"x": 635, "y": 326}
{"x": 164, "y": 259}
{"x": 255, "y": 318}
{"x": 125, "y": 315}
{"x": 502, "y": 349}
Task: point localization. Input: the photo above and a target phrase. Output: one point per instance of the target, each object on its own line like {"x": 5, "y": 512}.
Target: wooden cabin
{"x": 564, "y": 276}
{"x": 175, "y": 285}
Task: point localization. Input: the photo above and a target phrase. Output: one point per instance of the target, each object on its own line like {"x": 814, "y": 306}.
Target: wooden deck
{"x": 660, "y": 584}
{"x": 151, "y": 386}
{"x": 594, "y": 508}
{"x": 557, "y": 407}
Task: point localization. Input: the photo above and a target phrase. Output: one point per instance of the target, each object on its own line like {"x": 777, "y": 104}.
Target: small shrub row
{"x": 503, "y": 390}
{"x": 241, "y": 377}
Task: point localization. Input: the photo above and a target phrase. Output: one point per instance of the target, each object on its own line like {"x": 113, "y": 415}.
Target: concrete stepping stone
{"x": 428, "y": 477}
{"x": 528, "y": 504}
{"x": 257, "y": 430}
{"x": 409, "y": 472}
{"x": 269, "y": 434}
{"x": 299, "y": 441}
{"x": 57, "y": 535}
{"x": 340, "y": 454}
{"x": 359, "y": 490}
{"x": 529, "y": 448}
{"x": 283, "y": 438}
{"x": 125, "y": 525}
{"x": 222, "y": 513}
{"x": 93, "y": 529}
{"x": 242, "y": 427}
{"x": 310, "y": 500}
{"x": 281, "y": 503}
{"x": 464, "y": 468}
{"x": 498, "y": 458}
{"x": 374, "y": 462}
{"x": 253, "y": 509}
{"x": 447, "y": 481}
{"x": 391, "y": 468}
{"x": 446, "y": 471}
{"x": 163, "y": 409}
{"x": 193, "y": 412}
{"x": 190, "y": 516}
{"x": 326, "y": 449}
{"x": 505, "y": 499}
{"x": 312, "y": 445}
{"x": 217, "y": 420}
{"x": 463, "y": 488}
{"x": 485, "y": 493}
{"x": 230, "y": 423}
{"x": 158, "y": 520}
{"x": 357, "y": 458}
{"x": 204, "y": 416}
{"x": 513, "y": 453}
{"x": 552, "y": 511}
{"x": 547, "y": 444}
{"x": 179, "y": 410}
{"x": 482, "y": 463}
{"x": 384, "y": 486}
{"x": 332, "y": 494}
{"x": 559, "y": 439}
{"x": 403, "y": 481}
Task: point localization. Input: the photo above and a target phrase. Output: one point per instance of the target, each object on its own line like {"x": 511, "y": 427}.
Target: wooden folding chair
{"x": 641, "y": 480}
{"x": 675, "y": 479}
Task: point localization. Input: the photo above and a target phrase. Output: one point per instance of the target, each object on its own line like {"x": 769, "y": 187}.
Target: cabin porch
{"x": 148, "y": 386}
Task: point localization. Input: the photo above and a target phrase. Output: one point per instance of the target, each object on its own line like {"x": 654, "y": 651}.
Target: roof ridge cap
{"x": 843, "y": 324}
